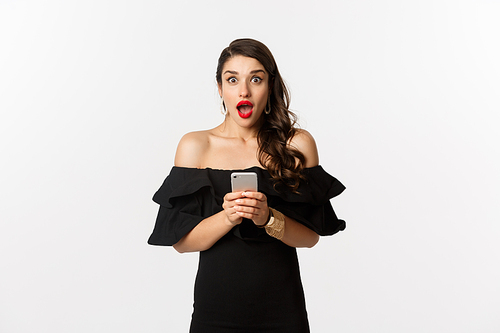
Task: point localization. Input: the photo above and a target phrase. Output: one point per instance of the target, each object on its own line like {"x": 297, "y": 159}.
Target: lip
{"x": 244, "y": 115}
{"x": 244, "y": 103}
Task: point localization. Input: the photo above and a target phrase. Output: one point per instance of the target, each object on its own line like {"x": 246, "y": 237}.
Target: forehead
{"x": 242, "y": 65}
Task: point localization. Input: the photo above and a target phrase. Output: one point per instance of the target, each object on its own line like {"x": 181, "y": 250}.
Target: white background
{"x": 401, "y": 96}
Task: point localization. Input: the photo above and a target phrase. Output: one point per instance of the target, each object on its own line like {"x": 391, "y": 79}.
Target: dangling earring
{"x": 267, "y": 110}
{"x": 222, "y": 107}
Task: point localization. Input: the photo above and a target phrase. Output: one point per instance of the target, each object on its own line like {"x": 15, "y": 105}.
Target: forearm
{"x": 298, "y": 235}
{"x": 253, "y": 206}
{"x": 205, "y": 234}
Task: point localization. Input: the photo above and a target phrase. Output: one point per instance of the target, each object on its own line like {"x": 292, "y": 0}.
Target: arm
{"x": 256, "y": 208}
{"x": 205, "y": 234}
{"x": 213, "y": 228}
{"x": 189, "y": 154}
{"x": 251, "y": 205}
{"x": 296, "y": 233}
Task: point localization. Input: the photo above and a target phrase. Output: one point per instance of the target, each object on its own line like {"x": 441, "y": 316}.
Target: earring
{"x": 222, "y": 107}
{"x": 267, "y": 110}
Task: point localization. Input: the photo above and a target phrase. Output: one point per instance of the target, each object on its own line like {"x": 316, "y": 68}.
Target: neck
{"x": 230, "y": 129}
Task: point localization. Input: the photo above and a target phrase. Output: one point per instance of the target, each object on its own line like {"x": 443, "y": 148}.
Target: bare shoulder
{"x": 191, "y": 148}
{"x": 305, "y": 143}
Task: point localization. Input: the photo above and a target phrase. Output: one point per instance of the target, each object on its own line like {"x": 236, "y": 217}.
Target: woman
{"x": 248, "y": 276}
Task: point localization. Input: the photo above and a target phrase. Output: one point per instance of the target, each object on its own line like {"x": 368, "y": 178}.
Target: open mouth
{"x": 245, "y": 109}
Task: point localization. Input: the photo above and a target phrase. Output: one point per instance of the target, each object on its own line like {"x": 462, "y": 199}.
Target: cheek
{"x": 226, "y": 93}
{"x": 264, "y": 96}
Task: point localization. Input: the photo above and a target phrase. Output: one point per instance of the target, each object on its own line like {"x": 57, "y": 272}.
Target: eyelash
{"x": 252, "y": 80}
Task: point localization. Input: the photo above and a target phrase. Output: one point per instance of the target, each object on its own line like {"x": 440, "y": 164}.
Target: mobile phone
{"x": 244, "y": 181}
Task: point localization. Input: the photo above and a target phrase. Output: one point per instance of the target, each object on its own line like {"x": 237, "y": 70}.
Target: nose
{"x": 244, "y": 91}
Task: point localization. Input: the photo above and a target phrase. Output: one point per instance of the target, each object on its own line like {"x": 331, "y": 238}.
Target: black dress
{"x": 247, "y": 281}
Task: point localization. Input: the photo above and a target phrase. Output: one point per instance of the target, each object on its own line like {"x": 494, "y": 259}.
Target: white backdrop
{"x": 402, "y": 98}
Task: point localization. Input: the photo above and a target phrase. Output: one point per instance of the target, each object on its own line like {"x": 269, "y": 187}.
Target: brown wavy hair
{"x": 283, "y": 162}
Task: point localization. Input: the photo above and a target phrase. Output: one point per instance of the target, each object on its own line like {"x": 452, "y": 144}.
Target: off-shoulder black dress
{"x": 247, "y": 281}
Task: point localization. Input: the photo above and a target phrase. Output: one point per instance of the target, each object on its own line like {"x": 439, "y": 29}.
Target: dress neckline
{"x": 216, "y": 169}
{"x": 235, "y": 170}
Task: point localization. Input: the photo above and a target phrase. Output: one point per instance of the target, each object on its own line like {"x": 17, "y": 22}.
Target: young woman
{"x": 248, "y": 276}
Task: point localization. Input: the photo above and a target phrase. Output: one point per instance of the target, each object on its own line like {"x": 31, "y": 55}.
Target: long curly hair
{"x": 283, "y": 162}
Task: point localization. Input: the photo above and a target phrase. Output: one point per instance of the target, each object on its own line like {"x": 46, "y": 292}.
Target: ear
{"x": 219, "y": 88}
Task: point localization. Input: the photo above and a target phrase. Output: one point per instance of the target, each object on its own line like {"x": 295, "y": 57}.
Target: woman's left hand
{"x": 253, "y": 206}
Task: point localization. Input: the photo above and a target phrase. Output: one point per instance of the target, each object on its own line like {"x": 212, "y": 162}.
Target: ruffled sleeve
{"x": 189, "y": 195}
{"x": 186, "y": 197}
{"x": 311, "y": 206}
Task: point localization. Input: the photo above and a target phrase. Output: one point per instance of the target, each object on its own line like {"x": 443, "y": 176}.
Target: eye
{"x": 256, "y": 79}
{"x": 232, "y": 79}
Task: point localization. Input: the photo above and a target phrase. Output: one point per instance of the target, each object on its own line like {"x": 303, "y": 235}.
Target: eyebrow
{"x": 252, "y": 72}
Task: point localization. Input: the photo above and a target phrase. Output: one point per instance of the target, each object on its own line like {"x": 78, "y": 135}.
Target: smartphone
{"x": 244, "y": 181}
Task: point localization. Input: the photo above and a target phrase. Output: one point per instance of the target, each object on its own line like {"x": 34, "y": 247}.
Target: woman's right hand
{"x": 229, "y": 203}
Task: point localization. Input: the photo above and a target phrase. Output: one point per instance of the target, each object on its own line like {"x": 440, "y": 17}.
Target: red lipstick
{"x": 245, "y": 109}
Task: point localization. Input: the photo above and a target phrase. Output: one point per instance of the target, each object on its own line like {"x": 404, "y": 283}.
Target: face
{"x": 245, "y": 89}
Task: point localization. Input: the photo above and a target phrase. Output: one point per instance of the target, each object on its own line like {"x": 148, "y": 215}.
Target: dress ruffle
{"x": 188, "y": 195}
{"x": 181, "y": 182}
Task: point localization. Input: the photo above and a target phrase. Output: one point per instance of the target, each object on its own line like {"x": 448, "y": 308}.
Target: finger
{"x": 246, "y": 215}
{"x": 248, "y": 202}
{"x": 255, "y": 195}
{"x": 247, "y": 210}
{"x": 231, "y": 213}
{"x": 235, "y": 219}
{"x": 233, "y": 196}
{"x": 227, "y": 203}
